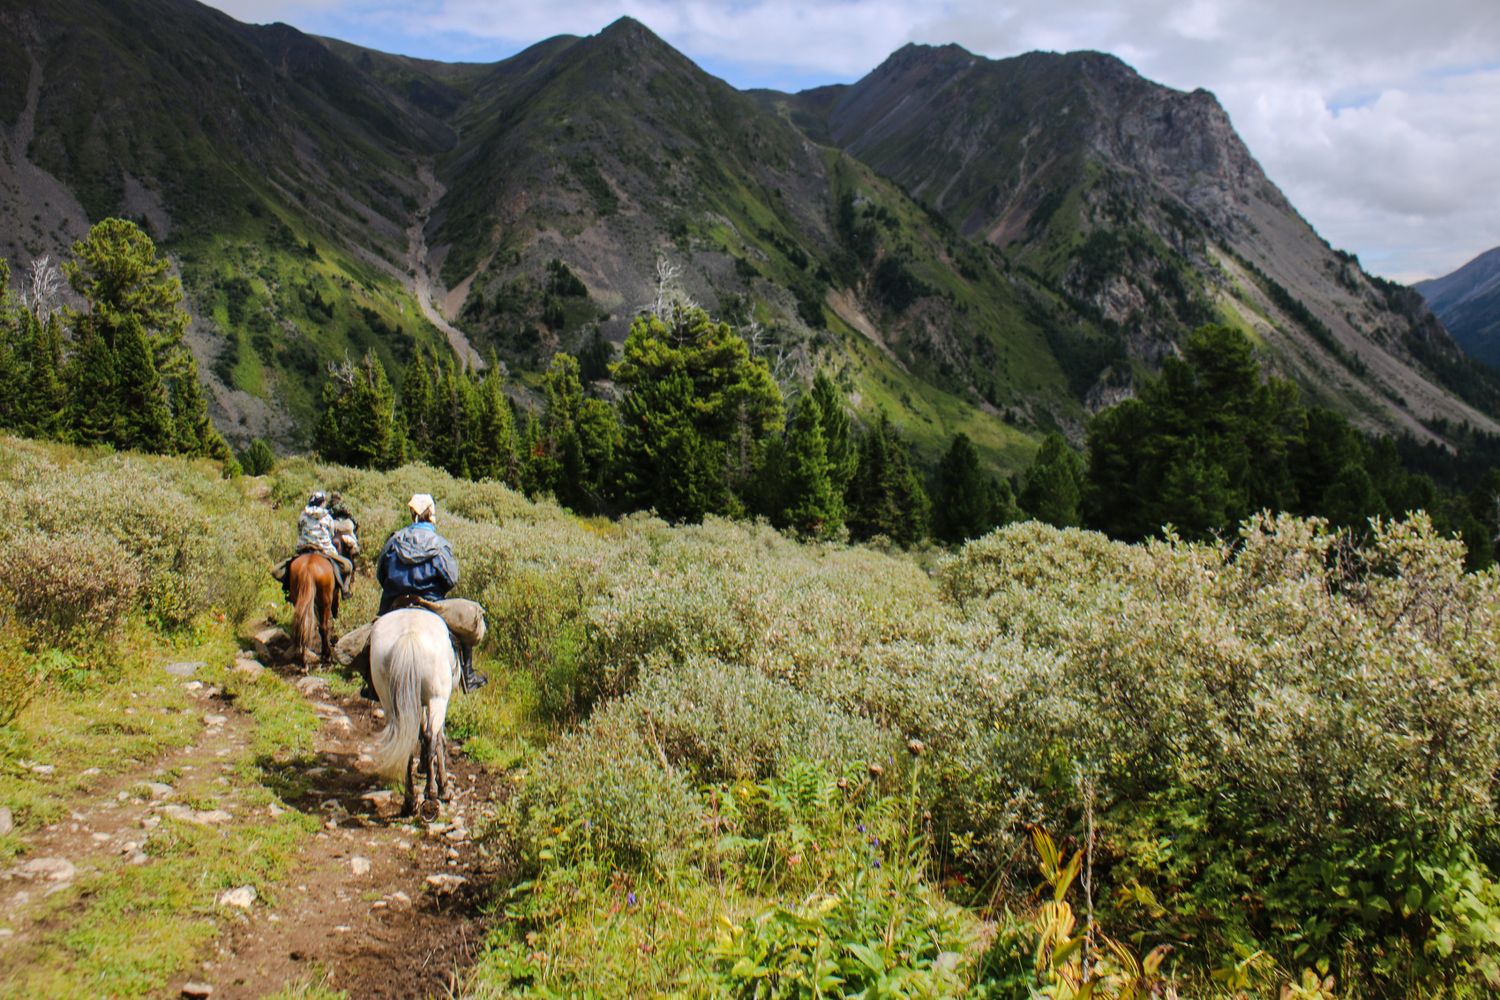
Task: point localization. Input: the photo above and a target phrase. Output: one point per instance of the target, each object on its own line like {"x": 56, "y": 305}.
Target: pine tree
{"x": 667, "y": 464}
{"x": 885, "y": 497}
{"x": 1054, "y": 484}
{"x": 257, "y": 459}
{"x": 416, "y": 405}
{"x": 697, "y": 401}
{"x": 495, "y": 435}
{"x": 145, "y": 420}
{"x": 46, "y": 393}
{"x": 838, "y": 430}
{"x": 812, "y": 506}
{"x": 133, "y": 312}
{"x": 963, "y": 500}
{"x": 358, "y": 425}
{"x": 93, "y": 408}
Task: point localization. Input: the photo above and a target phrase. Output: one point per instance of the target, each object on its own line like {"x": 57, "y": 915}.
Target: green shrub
{"x": 730, "y": 722}
{"x": 73, "y": 590}
{"x": 606, "y": 793}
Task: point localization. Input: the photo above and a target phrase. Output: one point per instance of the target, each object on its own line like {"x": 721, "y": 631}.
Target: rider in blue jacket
{"x": 417, "y": 562}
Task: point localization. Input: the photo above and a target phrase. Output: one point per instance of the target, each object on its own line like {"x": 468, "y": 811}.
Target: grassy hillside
{"x": 747, "y": 762}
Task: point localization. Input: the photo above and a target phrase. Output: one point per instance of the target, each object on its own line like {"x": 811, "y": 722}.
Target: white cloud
{"x": 1379, "y": 118}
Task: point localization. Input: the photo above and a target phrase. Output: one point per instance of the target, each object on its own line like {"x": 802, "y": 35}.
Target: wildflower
{"x": 875, "y": 770}
{"x": 793, "y": 860}
{"x": 630, "y": 898}
{"x": 860, "y": 827}
{"x": 915, "y": 747}
{"x": 875, "y": 863}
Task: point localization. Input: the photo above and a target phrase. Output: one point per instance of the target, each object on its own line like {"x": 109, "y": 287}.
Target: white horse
{"x": 413, "y": 668}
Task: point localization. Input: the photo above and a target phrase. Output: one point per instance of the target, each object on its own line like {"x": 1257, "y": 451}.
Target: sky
{"x": 1379, "y": 119}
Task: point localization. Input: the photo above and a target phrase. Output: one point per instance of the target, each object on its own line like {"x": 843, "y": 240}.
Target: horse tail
{"x": 398, "y": 740}
{"x": 305, "y": 614}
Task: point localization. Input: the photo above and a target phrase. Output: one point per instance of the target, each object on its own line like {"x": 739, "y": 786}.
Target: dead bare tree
{"x": 670, "y": 295}
{"x": 780, "y": 358}
{"x": 44, "y": 281}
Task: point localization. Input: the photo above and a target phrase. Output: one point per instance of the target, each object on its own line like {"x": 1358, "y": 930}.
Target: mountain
{"x": 1141, "y": 208}
{"x": 1468, "y": 303}
{"x": 993, "y": 246}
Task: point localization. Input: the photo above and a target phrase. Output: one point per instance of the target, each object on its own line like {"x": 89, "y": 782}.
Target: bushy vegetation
{"x": 773, "y": 767}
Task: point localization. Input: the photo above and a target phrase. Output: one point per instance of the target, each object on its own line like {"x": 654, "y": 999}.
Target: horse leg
{"x": 409, "y": 804}
{"x": 325, "y": 623}
{"x": 429, "y": 758}
{"x": 437, "y": 711}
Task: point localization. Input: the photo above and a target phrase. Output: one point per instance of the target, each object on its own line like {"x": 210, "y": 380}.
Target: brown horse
{"x": 314, "y": 603}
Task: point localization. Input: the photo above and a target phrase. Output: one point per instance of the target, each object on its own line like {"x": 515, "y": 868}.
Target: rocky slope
{"x": 1141, "y": 206}
{"x": 1468, "y": 303}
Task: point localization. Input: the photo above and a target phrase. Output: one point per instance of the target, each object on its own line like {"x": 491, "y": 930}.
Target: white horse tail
{"x": 398, "y": 740}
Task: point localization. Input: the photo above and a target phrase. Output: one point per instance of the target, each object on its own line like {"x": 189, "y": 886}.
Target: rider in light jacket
{"x": 315, "y": 532}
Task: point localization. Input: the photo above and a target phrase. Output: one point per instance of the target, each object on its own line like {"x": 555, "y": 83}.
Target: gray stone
{"x": 444, "y": 883}
{"x": 197, "y": 991}
{"x": 359, "y": 866}
{"x": 248, "y": 667}
{"x": 157, "y": 789}
{"x": 55, "y": 870}
{"x": 185, "y": 668}
{"x": 212, "y": 719}
{"x": 7, "y": 821}
{"x": 241, "y": 898}
{"x": 270, "y": 643}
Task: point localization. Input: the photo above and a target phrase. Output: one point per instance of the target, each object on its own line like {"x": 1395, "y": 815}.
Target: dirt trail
{"x": 419, "y": 274}
{"x": 384, "y": 907}
{"x": 374, "y": 904}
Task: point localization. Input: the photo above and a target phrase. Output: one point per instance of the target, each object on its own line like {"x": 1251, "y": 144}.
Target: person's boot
{"x": 472, "y": 679}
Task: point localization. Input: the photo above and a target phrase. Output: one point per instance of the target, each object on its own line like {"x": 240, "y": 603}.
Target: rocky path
{"x": 372, "y": 904}
{"x": 385, "y": 907}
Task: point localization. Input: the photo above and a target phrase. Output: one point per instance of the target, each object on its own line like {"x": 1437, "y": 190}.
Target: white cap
{"x": 422, "y": 506}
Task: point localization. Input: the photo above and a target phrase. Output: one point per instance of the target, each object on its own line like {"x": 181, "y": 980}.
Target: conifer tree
{"x": 495, "y": 433}
{"x": 885, "y": 497}
{"x": 358, "y": 425}
{"x": 93, "y": 406}
{"x": 811, "y": 505}
{"x": 963, "y": 499}
{"x": 1054, "y": 484}
{"x": 416, "y": 405}
{"x": 697, "y": 401}
{"x": 133, "y": 312}
{"x": 669, "y": 465}
{"x": 46, "y": 393}
{"x": 145, "y": 420}
{"x": 257, "y": 459}
{"x": 838, "y": 430}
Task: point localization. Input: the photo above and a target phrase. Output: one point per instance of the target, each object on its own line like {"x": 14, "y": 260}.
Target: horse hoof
{"x": 408, "y": 808}
{"x": 431, "y": 809}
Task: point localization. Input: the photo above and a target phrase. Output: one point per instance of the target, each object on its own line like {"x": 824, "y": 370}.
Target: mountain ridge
{"x": 1012, "y": 264}
{"x": 1467, "y": 301}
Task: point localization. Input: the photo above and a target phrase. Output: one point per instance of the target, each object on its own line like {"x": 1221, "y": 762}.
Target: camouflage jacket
{"x": 315, "y": 531}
